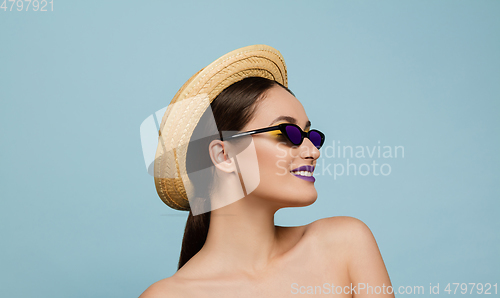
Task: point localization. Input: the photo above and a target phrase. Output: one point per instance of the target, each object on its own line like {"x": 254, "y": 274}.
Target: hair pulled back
{"x": 232, "y": 109}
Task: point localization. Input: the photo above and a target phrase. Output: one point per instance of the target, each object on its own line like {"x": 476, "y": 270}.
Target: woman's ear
{"x": 219, "y": 156}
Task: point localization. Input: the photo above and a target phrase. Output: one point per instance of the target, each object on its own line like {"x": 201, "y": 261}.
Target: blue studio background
{"x": 79, "y": 213}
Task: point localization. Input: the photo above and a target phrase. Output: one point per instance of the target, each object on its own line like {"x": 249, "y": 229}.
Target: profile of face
{"x": 280, "y": 184}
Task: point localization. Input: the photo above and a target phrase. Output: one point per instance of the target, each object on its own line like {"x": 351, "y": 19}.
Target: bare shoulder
{"x": 339, "y": 227}
{"x": 341, "y": 234}
{"x": 351, "y": 240}
{"x": 167, "y": 287}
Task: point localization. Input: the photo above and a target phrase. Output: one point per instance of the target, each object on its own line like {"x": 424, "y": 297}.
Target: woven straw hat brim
{"x": 191, "y": 101}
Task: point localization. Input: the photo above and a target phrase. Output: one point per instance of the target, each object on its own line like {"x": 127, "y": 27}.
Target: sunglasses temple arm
{"x": 255, "y": 131}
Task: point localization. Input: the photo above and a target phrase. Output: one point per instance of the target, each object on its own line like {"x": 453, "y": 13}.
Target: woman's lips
{"x": 307, "y": 178}
{"x": 304, "y": 173}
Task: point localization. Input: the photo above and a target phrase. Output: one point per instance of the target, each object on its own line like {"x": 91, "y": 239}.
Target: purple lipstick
{"x": 304, "y": 173}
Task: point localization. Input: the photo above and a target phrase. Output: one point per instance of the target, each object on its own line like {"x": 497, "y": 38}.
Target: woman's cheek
{"x": 282, "y": 167}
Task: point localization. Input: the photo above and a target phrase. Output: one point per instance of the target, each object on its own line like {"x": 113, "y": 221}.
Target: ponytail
{"x": 195, "y": 235}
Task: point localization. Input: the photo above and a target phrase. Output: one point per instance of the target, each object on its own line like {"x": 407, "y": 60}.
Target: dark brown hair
{"x": 232, "y": 109}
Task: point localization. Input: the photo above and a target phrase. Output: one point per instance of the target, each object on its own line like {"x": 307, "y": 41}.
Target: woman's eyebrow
{"x": 291, "y": 120}
{"x": 286, "y": 118}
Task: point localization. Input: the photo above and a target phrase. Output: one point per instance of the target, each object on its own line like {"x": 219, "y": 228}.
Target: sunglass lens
{"x": 294, "y": 134}
{"x": 316, "y": 138}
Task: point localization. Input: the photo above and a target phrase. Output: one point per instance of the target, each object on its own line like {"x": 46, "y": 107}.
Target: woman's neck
{"x": 242, "y": 238}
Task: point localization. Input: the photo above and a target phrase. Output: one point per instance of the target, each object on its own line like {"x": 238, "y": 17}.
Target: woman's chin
{"x": 303, "y": 201}
{"x": 310, "y": 201}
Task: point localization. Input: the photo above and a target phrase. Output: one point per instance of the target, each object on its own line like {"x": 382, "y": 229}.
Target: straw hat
{"x": 191, "y": 101}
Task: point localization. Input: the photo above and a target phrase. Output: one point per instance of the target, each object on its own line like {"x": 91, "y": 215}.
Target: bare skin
{"x": 246, "y": 255}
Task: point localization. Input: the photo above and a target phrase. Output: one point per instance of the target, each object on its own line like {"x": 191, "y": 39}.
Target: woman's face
{"x": 277, "y": 157}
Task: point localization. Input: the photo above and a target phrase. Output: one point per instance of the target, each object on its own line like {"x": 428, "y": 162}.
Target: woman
{"x": 231, "y": 247}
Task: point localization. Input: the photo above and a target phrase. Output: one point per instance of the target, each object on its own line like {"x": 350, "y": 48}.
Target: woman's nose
{"x": 308, "y": 150}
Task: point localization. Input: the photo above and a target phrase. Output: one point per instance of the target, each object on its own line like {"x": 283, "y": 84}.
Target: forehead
{"x": 277, "y": 102}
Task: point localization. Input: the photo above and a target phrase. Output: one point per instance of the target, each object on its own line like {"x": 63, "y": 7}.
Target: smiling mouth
{"x": 302, "y": 173}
